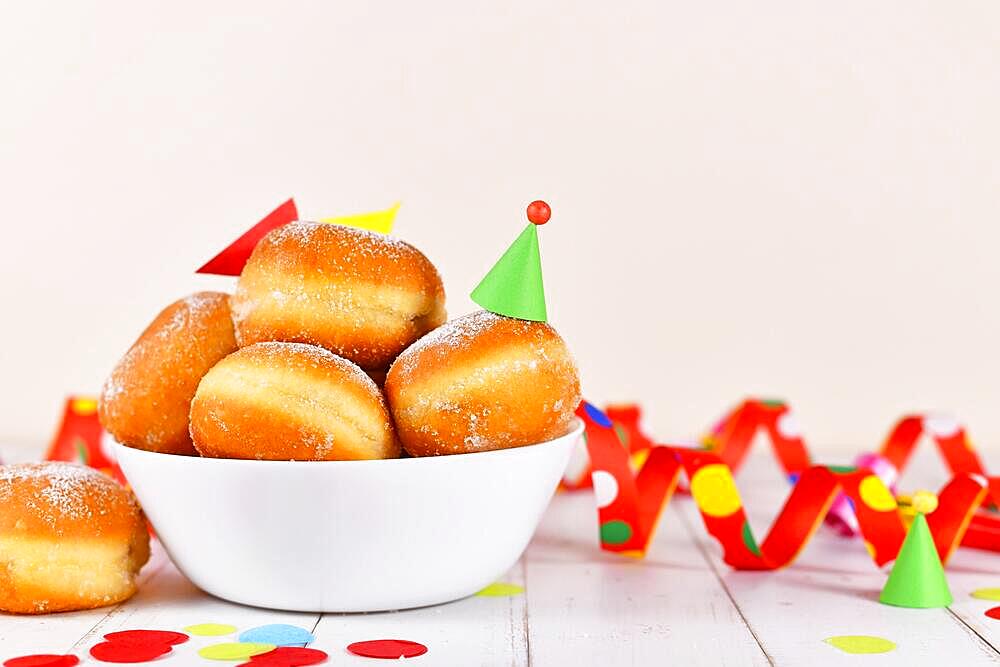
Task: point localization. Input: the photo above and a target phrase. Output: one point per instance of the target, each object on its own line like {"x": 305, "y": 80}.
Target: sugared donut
{"x": 70, "y": 538}
{"x": 483, "y": 382}
{"x": 290, "y": 401}
{"x": 146, "y": 401}
{"x": 361, "y": 295}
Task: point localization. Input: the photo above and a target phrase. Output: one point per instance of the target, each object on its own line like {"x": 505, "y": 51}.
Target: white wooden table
{"x": 679, "y": 606}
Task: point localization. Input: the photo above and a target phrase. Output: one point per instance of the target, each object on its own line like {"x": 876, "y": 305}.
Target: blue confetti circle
{"x": 278, "y": 634}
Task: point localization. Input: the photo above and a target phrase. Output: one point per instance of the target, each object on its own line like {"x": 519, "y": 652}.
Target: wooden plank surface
{"x": 591, "y": 608}
{"x": 681, "y": 605}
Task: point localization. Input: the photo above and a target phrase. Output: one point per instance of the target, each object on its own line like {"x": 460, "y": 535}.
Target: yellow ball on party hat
{"x": 917, "y": 578}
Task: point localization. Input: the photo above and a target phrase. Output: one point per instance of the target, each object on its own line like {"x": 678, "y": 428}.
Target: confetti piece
{"x": 501, "y": 589}
{"x": 860, "y": 644}
{"x": 993, "y": 613}
{"x": 279, "y": 634}
{"x": 992, "y": 594}
{"x": 42, "y": 660}
{"x": 389, "y": 649}
{"x": 125, "y": 652}
{"x": 287, "y": 656}
{"x": 210, "y": 629}
{"x": 147, "y": 637}
{"x": 234, "y": 650}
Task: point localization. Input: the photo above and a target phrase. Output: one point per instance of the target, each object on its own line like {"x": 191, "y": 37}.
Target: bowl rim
{"x": 575, "y": 432}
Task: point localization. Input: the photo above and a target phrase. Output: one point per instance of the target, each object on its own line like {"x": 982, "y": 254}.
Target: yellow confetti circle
{"x": 715, "y": 491}
{"x": 501, "y": 589}
{"x": 210, "y": 629}
{"x": 235, "y": 650}
{"x": 875, "y": 494}
{"x": 860, "y": 644}
{"x": 871, "y": 549}
{"x": 992, "y": 594}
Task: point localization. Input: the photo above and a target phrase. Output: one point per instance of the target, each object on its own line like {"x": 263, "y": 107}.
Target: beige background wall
{"x": 792, "y": 198}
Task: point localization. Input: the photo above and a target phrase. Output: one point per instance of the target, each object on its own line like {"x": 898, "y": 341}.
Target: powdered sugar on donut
{"x": 482, "y": 381}
{"x": 63, "y": 490}
{"x": 457, "y": 334}
{"x": 319, "y": 357}
{"x": 352, "y": 243}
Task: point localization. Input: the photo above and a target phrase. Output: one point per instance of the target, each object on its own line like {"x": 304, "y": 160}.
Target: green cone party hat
{"x": 917, "y": 578}
{"x": 513, "y": 287}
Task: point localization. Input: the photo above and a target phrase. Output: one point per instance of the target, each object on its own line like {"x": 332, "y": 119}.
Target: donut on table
{"x": 70, "y": 538}
{"x": 290, "y": 401}
{"x": 482, "y": 382}
{"x": 361, "y": 295}
{"x": 146, "y": 401}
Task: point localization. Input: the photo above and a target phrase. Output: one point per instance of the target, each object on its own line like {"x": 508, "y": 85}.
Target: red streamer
{"x": 630, "y": 503}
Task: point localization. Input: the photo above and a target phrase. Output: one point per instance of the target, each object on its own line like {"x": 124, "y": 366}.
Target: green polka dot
{"x": 749, "y": 540}
{"x": 622, "y": 435}
{"x": 615, "y": 532}
{"x": 773, "y": 403}
{"x": 842, "y": 469}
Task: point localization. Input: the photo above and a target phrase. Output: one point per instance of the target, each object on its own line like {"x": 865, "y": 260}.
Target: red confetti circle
{"x": 389, "y": 649}
{"x": 539, "y": 212}
{"x": 287, "y": 656}
{"x": 126, "y": 652}
{"x": 147, "y": 637}
{"x": 994, "y": 613}
{"x": 42, "y": 660}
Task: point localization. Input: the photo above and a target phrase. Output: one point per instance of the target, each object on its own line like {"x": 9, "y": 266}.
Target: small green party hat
{"x": 513, "y": 287}
{"x": 917, "y": 577}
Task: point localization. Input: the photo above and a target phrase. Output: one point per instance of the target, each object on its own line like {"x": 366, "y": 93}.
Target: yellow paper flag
{"x": 376, "y": 221}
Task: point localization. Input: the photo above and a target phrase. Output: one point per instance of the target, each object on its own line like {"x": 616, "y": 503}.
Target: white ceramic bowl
{"x": 347, "y": 535}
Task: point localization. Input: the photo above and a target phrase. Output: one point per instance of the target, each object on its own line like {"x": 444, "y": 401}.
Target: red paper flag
{"x": 230, "y": 262}
{"x": 80, "y": 438}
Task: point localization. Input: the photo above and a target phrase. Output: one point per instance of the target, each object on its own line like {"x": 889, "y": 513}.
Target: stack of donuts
{"x": 335, "y": 346}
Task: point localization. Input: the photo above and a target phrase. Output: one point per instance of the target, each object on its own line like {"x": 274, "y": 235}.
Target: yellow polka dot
{"x": 639, "y": 458}
{"x": 876, "y": 495}
{"x": 210, "y": 629}
{"x": 871, "y": 548}
{"x": 84, "y": 406}
{"x": 714, "y": 490}
{"x": 861, "y": 644}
